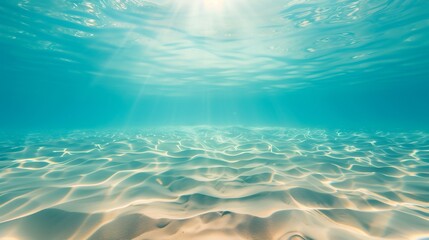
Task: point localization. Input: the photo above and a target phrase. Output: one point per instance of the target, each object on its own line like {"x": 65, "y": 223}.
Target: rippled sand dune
{"x": 215, "y": 183}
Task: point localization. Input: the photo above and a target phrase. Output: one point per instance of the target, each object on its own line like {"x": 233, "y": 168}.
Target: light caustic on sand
{"x": 215, "y": 183}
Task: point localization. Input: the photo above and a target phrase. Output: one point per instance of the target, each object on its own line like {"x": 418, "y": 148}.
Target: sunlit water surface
{"x": 177, "y": 47}
{"x": 297, "y": 68}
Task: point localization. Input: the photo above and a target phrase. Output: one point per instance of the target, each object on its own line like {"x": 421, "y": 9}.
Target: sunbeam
{"x": 214, "y": 119}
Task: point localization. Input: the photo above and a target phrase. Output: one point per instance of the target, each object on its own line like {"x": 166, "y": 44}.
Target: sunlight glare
{"x": 213, "y": 5}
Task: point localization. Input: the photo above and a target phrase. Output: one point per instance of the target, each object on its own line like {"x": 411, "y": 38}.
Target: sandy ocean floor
{"x": 215, "y": 183}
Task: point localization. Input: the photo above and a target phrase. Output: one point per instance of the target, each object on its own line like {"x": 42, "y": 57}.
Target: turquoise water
{"x": 214, "y": 119}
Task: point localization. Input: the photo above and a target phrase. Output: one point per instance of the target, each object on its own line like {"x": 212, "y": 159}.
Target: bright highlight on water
{"x": 214, "y": 119}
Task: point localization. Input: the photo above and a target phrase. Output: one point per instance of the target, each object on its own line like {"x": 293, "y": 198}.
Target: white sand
{"x": 205, "y": 183}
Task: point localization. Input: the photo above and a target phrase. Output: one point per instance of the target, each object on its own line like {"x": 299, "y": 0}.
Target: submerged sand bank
{"x": 215, "y": 183}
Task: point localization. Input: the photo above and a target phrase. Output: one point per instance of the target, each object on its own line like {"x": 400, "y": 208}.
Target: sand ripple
{"x": 215, "y": 183}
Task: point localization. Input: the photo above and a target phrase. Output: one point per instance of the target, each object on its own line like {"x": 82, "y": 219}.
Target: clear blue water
{"x": 214, "y": 119}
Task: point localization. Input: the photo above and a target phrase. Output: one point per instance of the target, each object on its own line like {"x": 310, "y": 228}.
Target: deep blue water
{"x": 214, "y": 119}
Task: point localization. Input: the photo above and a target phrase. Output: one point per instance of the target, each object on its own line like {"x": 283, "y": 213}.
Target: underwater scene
{"x": 214, "y": 119}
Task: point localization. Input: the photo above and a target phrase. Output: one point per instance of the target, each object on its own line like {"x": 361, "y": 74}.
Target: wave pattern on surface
{"x": 254, "y": 45}
{"x": 215, "y": 183}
